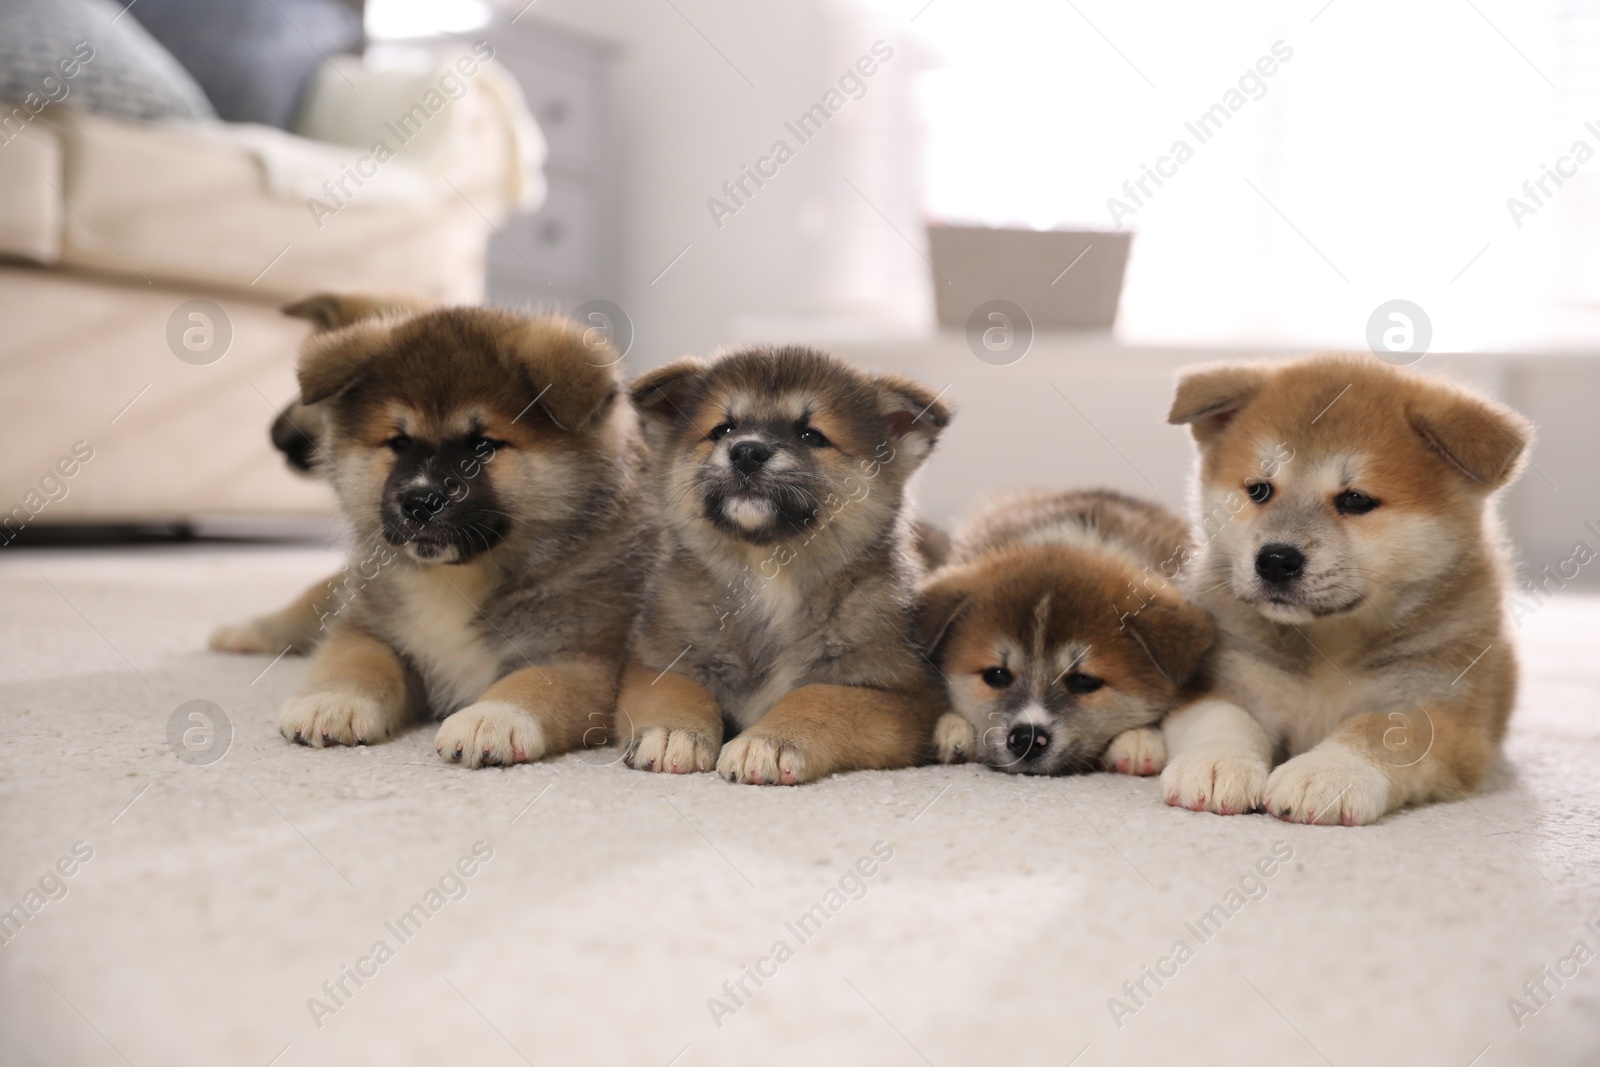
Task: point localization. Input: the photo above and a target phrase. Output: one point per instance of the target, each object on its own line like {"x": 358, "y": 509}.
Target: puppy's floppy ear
{"x": 296, "y": 432}
{"x": 330, "y": 311}
{"x": 664, "y": 393}
{"x": 913, "y": 413}
{"x": 1176, "y": 635}
{"x": 1209, "y": 396}
{"x": 573, "y": 381}
{"x": 1483, "y": 440}
{"x": 940, "y": 602}
{"x": 332, "y": 361}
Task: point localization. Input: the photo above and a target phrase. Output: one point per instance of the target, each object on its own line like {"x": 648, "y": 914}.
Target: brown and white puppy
{"x": 1061, "y": 639}
{"x": 780, "y": 608}
{"x": 489, "y": 468}
{"x": 1355, "y": 567}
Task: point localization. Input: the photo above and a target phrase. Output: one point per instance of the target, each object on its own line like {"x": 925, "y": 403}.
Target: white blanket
{"x": 354, "y": 105}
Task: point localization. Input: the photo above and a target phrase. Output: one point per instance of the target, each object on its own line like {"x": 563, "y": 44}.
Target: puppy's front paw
{"x": 1141, "y": 751}
{"x": 1328, "y": 786}
{"x": 672, "y": 751}
{"x": 490, "y": 733}
{"x": 337, "y": 717}
{"x": 757, "y": 760}
{"x": 1226, "y": 783}
{"x": 954, "y": 739}
{"x": 250, "y": 636}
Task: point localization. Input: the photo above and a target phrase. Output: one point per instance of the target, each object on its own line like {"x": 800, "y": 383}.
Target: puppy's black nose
{"x": 748, "y": 456}
{"x": 1026, "y": 740}
{"x": 1280, "y": 564}
{"x": 420, "y": 505}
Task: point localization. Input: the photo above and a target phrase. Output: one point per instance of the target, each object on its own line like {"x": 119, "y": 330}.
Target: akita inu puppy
{"x": 1061, "y": 638}
{"x": 1356, "y": 570}
{"x": 490, "y": 468}
{"x": 780, "y": 609}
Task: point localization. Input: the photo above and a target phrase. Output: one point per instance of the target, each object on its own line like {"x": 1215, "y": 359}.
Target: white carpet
{"x": 219, "y": 901}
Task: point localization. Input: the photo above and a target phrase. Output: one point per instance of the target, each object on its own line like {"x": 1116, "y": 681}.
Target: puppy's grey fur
{"x": 780, "y": 606}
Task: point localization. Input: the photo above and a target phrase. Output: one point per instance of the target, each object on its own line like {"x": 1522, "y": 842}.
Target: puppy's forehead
{"x": 1334, "y": 469}
{"x": 1040, "y": 650}
{"x": 1049, "y": 614}
{"x": 1319, "y": 465}
{"x": 1325, "y": 410}
{"x": 791, "y": 404}
{"x": 444, "y": 420}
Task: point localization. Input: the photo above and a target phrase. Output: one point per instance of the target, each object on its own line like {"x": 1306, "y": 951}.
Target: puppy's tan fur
{"x": 1384, "y": 671}
{"x": 780, "y": 608}
{"x": 505, "y": 607}
{"x": 1046, "y": 594}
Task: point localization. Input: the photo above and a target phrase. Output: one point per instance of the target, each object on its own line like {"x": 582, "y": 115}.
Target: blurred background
{"x": 1137, "y": 186}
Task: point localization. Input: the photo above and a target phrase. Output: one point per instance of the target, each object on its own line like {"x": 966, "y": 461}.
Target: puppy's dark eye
{"x": 719, "y": 431}
{"x": 482, "y": 445}
{"x": 996, "y": 677}
{"x": 398, "y": 443}
{"x": 1260, "y": 492}
{"x": 1080, "y": 683}
{"x": 1354, "y": 502}
{"x": 814, "y": 437}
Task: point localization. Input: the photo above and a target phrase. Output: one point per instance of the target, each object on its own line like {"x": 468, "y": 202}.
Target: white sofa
{"x": 108, "y": 227}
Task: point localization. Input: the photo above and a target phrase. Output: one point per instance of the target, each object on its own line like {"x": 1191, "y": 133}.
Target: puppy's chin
{"x": 754, "y": 518}
{"x": 1299, "y": 613}
{"x": 1285, "y": 614}
{"x": 441, "y": 546}
{"x": 433, "y": 551}
{"x": 750, "y": 514}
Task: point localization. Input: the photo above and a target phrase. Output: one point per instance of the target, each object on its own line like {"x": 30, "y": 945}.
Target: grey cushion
{"x": 254, "y": 58}
{"x": 115, "y": 67}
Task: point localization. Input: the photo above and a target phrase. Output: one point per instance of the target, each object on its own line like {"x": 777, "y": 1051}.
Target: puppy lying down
{"x": 489, "y": 467}
{"x": 1061, "y": 642}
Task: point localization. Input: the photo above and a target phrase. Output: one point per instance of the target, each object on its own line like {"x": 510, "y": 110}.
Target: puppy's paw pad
{"x": 954, "y": 739}
{"x": 1141, "y": 751}
{"x": 1329, "y": 786}
{"x": 490, "y": 733}
{"x": 672, "y": 751}
{"x": 249, "y": 637}
{"x": 1225, "y": 783}
{"x": 336, "y": 717}
{"x": 763, "y": 761}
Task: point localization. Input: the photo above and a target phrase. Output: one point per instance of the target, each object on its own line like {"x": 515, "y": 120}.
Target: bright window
{"x": 1373, "y": 161}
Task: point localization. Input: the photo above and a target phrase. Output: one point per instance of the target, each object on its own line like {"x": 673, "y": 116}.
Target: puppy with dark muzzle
{"x": 1354, "y": 565}
{"x": 1060, "y": 636}
{"x": 780, "y": 608}
{"x": 489, "y": 467}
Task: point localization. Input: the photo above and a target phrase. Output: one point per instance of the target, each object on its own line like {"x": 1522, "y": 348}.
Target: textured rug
{"x": 287, "y": 906}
